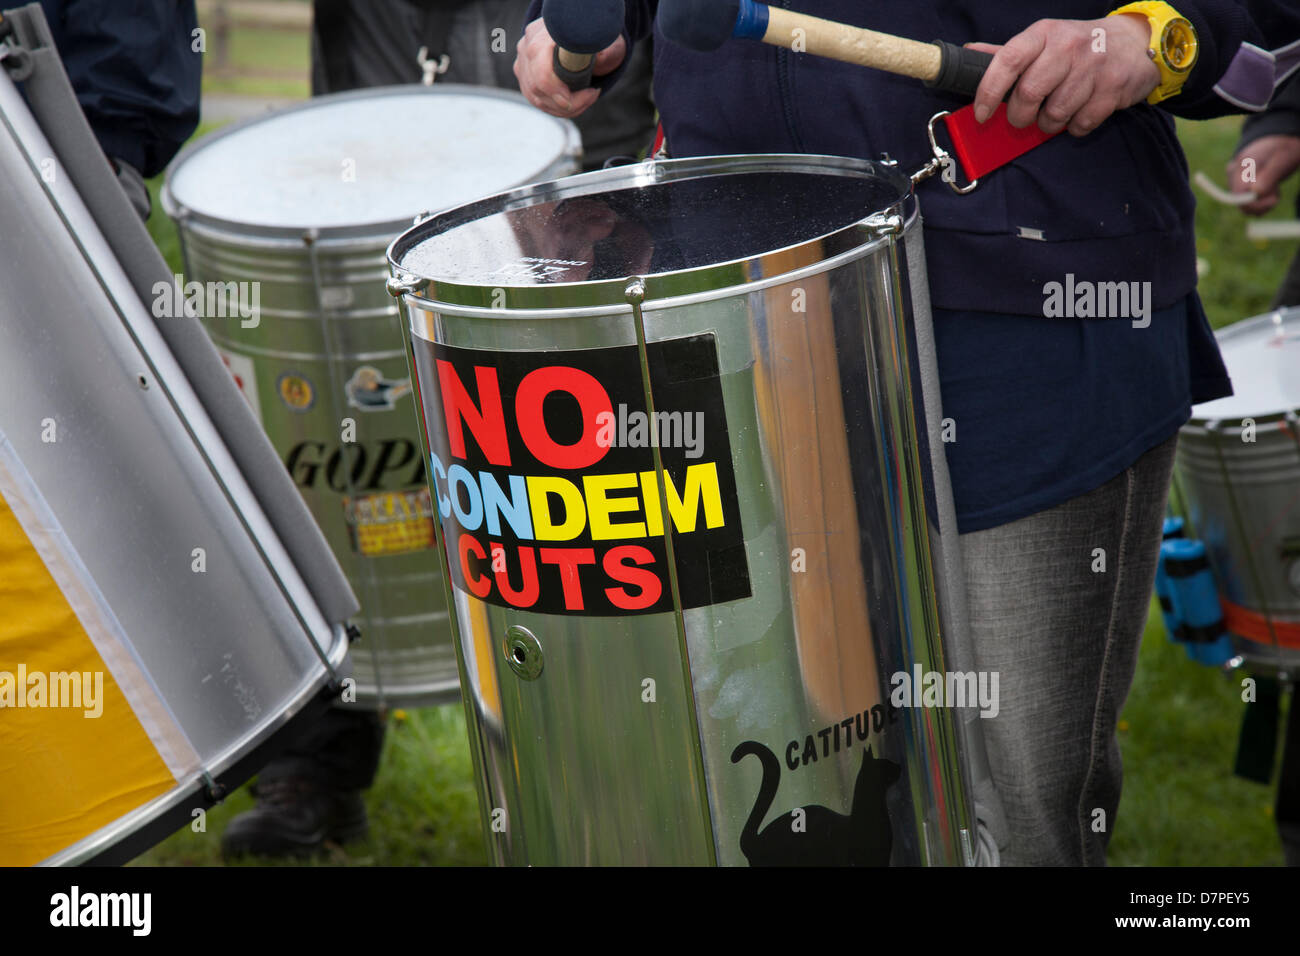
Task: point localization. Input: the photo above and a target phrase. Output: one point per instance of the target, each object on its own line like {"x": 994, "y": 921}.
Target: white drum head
{"x": 378, "y": 156}
{"x": 1263, "y": 358}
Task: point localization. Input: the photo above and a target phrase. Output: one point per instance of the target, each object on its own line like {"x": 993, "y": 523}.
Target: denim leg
{"x": 1064, "y": 639}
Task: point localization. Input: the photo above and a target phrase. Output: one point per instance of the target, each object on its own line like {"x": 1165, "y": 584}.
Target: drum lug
{"x": 400, "y": 285}
{"x": 884, "y": 224}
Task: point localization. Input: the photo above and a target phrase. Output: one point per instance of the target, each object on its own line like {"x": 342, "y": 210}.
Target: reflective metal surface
{"x": 212, "y": 660}
{"x": 694, "y": 733}
{"x": 305, "y": 201}
{"x": 1238, "y": 480}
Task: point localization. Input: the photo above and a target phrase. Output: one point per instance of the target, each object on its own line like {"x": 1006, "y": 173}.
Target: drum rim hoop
{"x": 606, "y": 295}
{"x": 652, "y": 302}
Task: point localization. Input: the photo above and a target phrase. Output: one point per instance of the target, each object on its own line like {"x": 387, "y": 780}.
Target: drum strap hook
{"x": 941, "y": 161}
{"x": 981, "y": 147}
{"x": 431, "y": 68}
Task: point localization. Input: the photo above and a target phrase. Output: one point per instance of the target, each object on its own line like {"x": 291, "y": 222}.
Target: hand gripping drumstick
{"x": 705, "y": 25}
{"x": 580, "y": 29}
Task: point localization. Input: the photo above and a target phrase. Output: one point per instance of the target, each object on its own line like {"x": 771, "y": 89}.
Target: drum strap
{"x": 437, "y": 17}
{"x": 329, "y": 21}
{"x": 1256, "y": 627}
{"x": 984, "y": 147}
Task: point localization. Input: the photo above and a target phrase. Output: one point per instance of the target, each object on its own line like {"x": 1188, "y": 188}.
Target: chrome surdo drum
{"x": 1238, "y": 487}
{"x": 735, "y": 349}
{"x": 300, "y": 205}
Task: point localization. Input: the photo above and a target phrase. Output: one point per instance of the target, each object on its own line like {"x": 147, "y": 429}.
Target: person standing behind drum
{"x": 363, "y": 43}
{"x": 1065, "y": 428}
{"x": 1268, "y": 154}
{"x": 312, "y": 793}
{"x": 135, "y": 71}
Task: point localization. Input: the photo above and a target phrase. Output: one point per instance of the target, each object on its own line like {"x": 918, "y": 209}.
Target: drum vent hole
{"x": 521, "y": 653}
{"x": 144, "y": 382}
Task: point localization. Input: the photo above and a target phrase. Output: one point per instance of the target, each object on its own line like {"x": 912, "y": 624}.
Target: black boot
{"x": 312, "y": 792}
{"x": 294, "y": 816}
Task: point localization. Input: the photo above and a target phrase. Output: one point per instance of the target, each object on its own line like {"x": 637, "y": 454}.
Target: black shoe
{"x": 294, "y": 817}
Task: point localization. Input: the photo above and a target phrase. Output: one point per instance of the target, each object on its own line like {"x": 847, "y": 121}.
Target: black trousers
{"x": 1287, "y": 809}
{"x": 338, "y": 752}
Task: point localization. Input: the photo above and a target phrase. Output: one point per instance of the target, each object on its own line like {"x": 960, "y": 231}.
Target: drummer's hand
{"x": 537, "y": 79}
{"x": 1274, "y": 159}
{"x": 1063, "y": 83}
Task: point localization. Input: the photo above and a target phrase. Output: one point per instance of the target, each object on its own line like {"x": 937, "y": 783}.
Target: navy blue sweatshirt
{"x": 1046, "y": 408}
{"x": 1113, "y": 205}
{"x": 135, "y": 71}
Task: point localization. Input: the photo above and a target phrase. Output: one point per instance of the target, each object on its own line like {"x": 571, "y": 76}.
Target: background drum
{"x": 729, "y": 700}
{"x": 304, "y": 201}
{"x": 1238, "y": 486}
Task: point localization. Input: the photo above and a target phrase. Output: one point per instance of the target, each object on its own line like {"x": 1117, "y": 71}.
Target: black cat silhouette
{"x": 863, "y": 838}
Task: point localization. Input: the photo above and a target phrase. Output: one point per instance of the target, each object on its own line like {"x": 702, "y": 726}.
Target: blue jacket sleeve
{"x": 1246, "y": 50}
{"x": 136, "y": 72}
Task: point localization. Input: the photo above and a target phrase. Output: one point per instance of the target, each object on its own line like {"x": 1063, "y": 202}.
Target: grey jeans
{"x": 1058, "y": 603}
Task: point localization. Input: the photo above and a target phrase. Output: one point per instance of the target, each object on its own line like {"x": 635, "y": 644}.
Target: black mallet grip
{"x": 960, "y": 69}
{"x": 575, "y": 80}
{"x": 580, "y": 29}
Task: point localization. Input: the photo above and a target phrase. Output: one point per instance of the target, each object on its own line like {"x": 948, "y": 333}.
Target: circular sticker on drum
{"x": 296, "y": 392}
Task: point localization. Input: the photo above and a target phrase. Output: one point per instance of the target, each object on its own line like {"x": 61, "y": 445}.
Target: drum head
{"x": 655, "y": 219}
{"x": 378, "y": 156}
{"x": 1263, "y": 358}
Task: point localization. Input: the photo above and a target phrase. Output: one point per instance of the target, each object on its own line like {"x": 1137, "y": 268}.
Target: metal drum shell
{"x": 585, "y": 772}
{"x": 324, "y": 315}
{"x": 213, "y": 657}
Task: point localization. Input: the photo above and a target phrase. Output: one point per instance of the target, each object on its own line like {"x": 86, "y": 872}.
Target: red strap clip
{"x": 982, "y": 147}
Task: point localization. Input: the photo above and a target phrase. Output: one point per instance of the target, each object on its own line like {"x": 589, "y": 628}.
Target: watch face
{"x": 1178, "y": 45}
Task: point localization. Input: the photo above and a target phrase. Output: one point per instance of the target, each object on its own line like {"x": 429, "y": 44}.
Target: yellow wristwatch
{"x": 1173, "y": 46}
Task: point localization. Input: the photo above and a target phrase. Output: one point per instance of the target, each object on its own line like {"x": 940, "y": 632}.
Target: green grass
{"x": 1181, "y": 806}
{"x": 262, "y": 62}
{"x": 423, "y": 809}
{"x": 1244, "y": 273}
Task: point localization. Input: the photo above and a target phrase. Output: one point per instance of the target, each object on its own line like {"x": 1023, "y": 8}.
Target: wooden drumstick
{"x": 705, "y": 25}
{"x": 580, "y": 29}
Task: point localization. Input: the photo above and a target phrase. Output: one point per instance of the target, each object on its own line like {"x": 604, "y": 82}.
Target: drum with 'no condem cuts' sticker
{"x": 734, "y": 348}
{"x": 303, "y": 202}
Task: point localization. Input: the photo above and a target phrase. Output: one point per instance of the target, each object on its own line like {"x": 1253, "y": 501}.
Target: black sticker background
{"x": 711, "y": 563}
